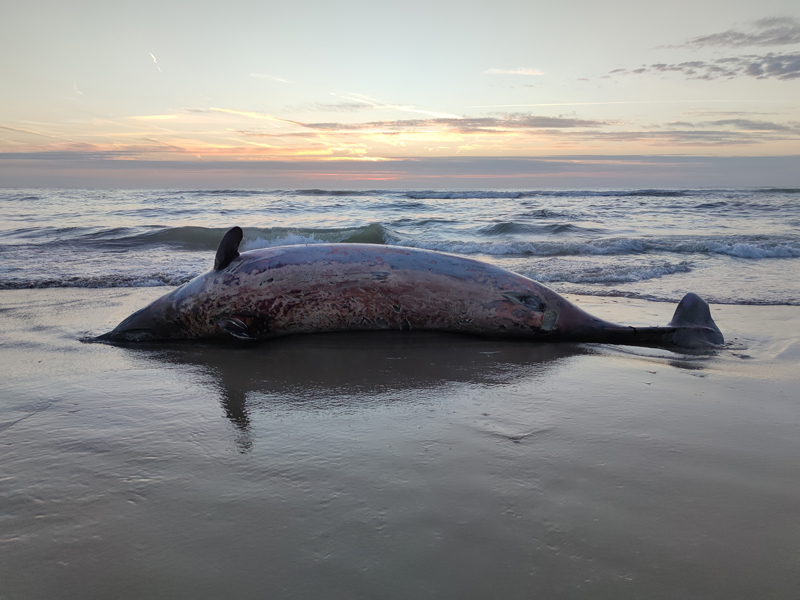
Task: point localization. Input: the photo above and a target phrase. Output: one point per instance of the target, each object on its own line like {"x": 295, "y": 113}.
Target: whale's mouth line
{"x": 128, "y": 335}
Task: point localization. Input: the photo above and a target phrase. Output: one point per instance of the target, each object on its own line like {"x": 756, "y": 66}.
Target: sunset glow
{"x": 533, "y": 88}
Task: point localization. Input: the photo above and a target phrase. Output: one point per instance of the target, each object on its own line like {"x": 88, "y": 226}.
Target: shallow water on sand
{"x": 395, "y": 465}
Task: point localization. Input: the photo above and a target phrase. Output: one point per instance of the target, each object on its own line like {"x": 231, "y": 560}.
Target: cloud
{"x": 719, "y": 132}
{"x": 513, "y": 121}
{"x": 272, "y": 77}
{"x": 743, "y": 125}
{"x": 519, "y": 71}
{"x": 702, "y": 138}
{"x": 250, "y": 135}
{"x": 772, "y": 31}
{"x": 765, "y": 66}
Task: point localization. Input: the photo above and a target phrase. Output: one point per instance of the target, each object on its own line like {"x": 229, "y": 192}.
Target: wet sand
{"x": 395, "y": 465}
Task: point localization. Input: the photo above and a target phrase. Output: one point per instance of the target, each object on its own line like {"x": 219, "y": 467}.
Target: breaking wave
{"x": 196, "y": 238}
{"x": 511, "y": 228}
{"x": 610, "y": 273}
{"x": 317, "y": 192}
{"x": 615, "y": 246}
{"x": 478, "y": 194}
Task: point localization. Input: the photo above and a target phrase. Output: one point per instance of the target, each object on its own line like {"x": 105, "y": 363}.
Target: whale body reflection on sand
{"x": 353, "y": 370}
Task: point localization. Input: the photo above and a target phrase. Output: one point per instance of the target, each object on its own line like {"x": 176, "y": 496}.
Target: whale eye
{"x": 542, "y": 306}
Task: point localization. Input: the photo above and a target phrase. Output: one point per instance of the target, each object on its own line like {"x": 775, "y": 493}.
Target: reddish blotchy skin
{"x": 336, "y": 287}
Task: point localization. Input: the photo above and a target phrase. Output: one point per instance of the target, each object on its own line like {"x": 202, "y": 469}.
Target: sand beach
{"x": 395, "y": 465}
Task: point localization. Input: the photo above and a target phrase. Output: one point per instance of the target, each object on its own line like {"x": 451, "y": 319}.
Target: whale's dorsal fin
{"x": 228, "y": 248}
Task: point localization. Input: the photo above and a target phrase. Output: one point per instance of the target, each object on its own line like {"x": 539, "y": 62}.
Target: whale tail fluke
{"x": 694, "y": 324}
{"x": 691, "y": 327}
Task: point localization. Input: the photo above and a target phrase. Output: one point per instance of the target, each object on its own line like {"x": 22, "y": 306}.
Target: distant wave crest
{"x": 615, "y": 246}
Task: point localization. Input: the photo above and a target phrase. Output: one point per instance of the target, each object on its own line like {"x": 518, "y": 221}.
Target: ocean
{"x": 731, "y": 246}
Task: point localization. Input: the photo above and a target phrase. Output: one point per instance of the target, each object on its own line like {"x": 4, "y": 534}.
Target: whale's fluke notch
{"x": 693, "y": 317}
{"x": 228, "y": 248}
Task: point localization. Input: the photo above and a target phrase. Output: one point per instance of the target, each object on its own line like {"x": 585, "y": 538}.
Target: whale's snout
{"x": 153, "y": 322}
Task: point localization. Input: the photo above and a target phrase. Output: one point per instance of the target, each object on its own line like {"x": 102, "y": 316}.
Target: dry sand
{"x": 395, "y": 465}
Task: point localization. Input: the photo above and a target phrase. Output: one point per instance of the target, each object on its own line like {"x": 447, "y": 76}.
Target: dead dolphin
{"x": 310, "y": 288}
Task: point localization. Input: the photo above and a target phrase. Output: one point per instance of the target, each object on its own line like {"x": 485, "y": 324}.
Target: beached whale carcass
{"x": 271, "y": 292}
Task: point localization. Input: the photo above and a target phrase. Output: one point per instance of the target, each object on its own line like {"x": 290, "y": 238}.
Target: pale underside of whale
{"x": 287, "y": 290}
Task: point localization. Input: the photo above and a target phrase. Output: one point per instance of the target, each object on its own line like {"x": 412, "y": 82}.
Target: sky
{"x": 354, "y": 94}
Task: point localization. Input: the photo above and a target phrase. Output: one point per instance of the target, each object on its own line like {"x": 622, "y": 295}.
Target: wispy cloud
{"x": 705, "y": 112}
{"x": 710, "y": 133}
{"x": 766, "y": 66}
{"x": 517, "y": 71}
{"x": 253, "y": 115}
{"x": 362, "y": 99}
{"x": 413, "y": 109}
{"x": 683, "y": 137}
{"x": 772, "y": 31}
{"x": 468, "y": 125}
{"x": 27, "y": 131}
{"x": 742, "y": 125}
{"x": 348, "y": 107}
{"x": 272, "y": 77}
{"x": 155, "y": 117}
{"x": 233, "y": 134}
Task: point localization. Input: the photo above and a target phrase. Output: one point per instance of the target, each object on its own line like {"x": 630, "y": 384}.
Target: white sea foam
{"x": 290, "y": 239}
{"x": 749, "y": 250}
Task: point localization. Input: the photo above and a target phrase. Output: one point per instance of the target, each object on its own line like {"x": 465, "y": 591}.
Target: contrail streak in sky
{"x": 155, "y": 61}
